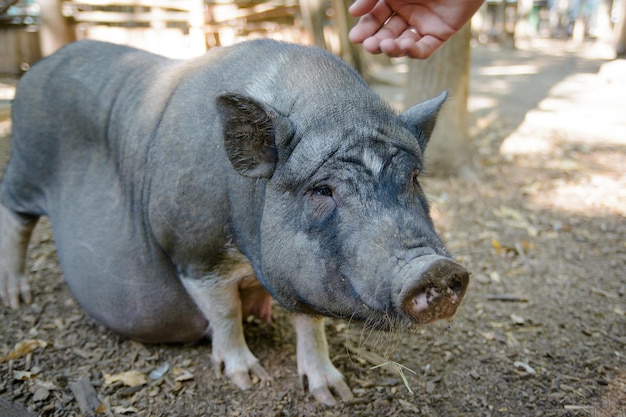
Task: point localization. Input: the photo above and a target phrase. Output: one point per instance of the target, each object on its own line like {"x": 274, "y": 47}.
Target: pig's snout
{"x": 436, "y": 292}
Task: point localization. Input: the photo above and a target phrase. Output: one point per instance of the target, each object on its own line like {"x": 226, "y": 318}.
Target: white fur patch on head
{"x": 372, "y": 162}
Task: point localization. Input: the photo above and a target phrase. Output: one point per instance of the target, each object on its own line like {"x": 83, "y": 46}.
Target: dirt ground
{"x": 541, "y": 331}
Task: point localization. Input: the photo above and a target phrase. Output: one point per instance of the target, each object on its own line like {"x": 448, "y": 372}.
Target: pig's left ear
{"x": 420, "y": 119}
{"x": 250, "y": 129}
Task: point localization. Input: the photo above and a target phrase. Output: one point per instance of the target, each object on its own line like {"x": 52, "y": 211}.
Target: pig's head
{"x": 345, "y": 230}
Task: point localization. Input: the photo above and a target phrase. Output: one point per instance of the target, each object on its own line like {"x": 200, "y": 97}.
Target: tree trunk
{"x": 313, "y": 19}
{"x": 620, "y": 31}
{"x": 343, "y": 22}
{"x": 54, "y": 31}
{"x": 449, "y": 150}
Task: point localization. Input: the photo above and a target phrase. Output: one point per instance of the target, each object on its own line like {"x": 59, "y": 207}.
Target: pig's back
{"x": 61, "y": 119}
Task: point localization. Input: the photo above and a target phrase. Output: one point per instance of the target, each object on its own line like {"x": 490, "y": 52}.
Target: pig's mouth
{"x": 434, "y": 292}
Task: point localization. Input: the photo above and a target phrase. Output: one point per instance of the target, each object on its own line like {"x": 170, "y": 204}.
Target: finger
{"x": 365, "y": 28}
{"x": 421, "y": 48}
{"x": 393, "y": 28}
{"x": 371, "y": 23}
{"x": 361, "y": 7}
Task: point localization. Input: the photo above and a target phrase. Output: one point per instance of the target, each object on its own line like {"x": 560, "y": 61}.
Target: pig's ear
{"x": 249, "y": 135}
{"x": 420, "y": 119}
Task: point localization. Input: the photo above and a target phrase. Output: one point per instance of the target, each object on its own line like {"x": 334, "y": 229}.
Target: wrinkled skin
{"x": 342, "y": 204}
{"x": 183, "y": 193}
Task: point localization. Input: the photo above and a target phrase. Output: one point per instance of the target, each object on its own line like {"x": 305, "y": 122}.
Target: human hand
{"x": 413, "y": 28}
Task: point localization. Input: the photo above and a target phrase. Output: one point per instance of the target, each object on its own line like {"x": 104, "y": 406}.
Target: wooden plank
{"x": 165, "y": 4}
{"x": 264, "y": 8}
{"x": 19, "y": 50}
{"x": 98, "y": 16}
{"x": 8, "y": 52}
{"x": 125, "y": 17}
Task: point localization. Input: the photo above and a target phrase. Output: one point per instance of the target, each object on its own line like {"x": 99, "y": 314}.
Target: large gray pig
{"x": 182, "y": 194}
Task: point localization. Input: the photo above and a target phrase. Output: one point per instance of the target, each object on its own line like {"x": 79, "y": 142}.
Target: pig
{"x": 186, "y": 194}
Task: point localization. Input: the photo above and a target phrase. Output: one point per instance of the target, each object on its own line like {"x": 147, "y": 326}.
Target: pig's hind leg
{"x": 15, "y": 232}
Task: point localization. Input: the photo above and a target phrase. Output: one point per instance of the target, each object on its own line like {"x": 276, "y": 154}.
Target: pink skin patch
{"x": 443, "y": 305}
{"x": 256, "y": 301}
{"x": 420, "y": 303}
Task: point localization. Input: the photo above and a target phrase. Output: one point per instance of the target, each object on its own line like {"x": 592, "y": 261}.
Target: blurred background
{"x": 31, "y": 29}
{"x": 185, "y": 28}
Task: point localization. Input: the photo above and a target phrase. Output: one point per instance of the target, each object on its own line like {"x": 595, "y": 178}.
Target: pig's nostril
{"x": 457, "y": 284}
{"x": 440, "y": 288}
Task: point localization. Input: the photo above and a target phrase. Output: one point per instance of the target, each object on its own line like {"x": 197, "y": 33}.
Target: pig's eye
{"x": 415, "y": 177}
{"x": 323, "y": 191}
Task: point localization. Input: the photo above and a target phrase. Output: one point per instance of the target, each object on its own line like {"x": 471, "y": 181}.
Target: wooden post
{"x": 197, "y": 36}
{"x": 313, "y": 18}
{"x": 343, "y": 22}
{"x": 449, "y": 151}
{"x": 54, "y": 31}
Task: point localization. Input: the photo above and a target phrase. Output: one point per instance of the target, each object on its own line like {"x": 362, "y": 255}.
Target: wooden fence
{"x": 19, "y": 49}
{"x": 186, "y": 28}
{"x": 169, "y": 27}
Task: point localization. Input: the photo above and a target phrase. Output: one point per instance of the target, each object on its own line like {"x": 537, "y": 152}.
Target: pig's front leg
{"x": 15, "y": 233}
{"x": 219, "y": 300}
{"x": 314, "y": 361}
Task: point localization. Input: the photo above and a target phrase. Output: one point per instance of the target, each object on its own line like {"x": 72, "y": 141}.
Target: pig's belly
{"x": 142, "y": 301}
{"x": 121, "y": 277}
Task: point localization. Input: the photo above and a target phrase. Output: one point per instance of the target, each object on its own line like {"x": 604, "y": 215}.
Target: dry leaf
{"x": 517, "y": 319}
{"x": 488, "y": 335}
{"x": 495, "y": 277}
{"x": 129, "y": 378}
{"x": 508, "y": 212}
{"x": 124, "y": 410}
{"x": 41, "y": 394}
{"x": 182, "y": 374}
{"x": 23, "y": 375}
{"x": 24, "y": 348}
{"x": 408, "y": 407}
{"x": 516, "y": 219}
{"x": 497, "y": 246}
{"x": 158, "y": 372}
{"x": 529, "y": 369}
{"x": 47, "y": 385}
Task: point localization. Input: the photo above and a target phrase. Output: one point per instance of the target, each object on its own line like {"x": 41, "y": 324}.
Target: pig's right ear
{"x": 420, "y": 119}
{"x": 249, "y": 134}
